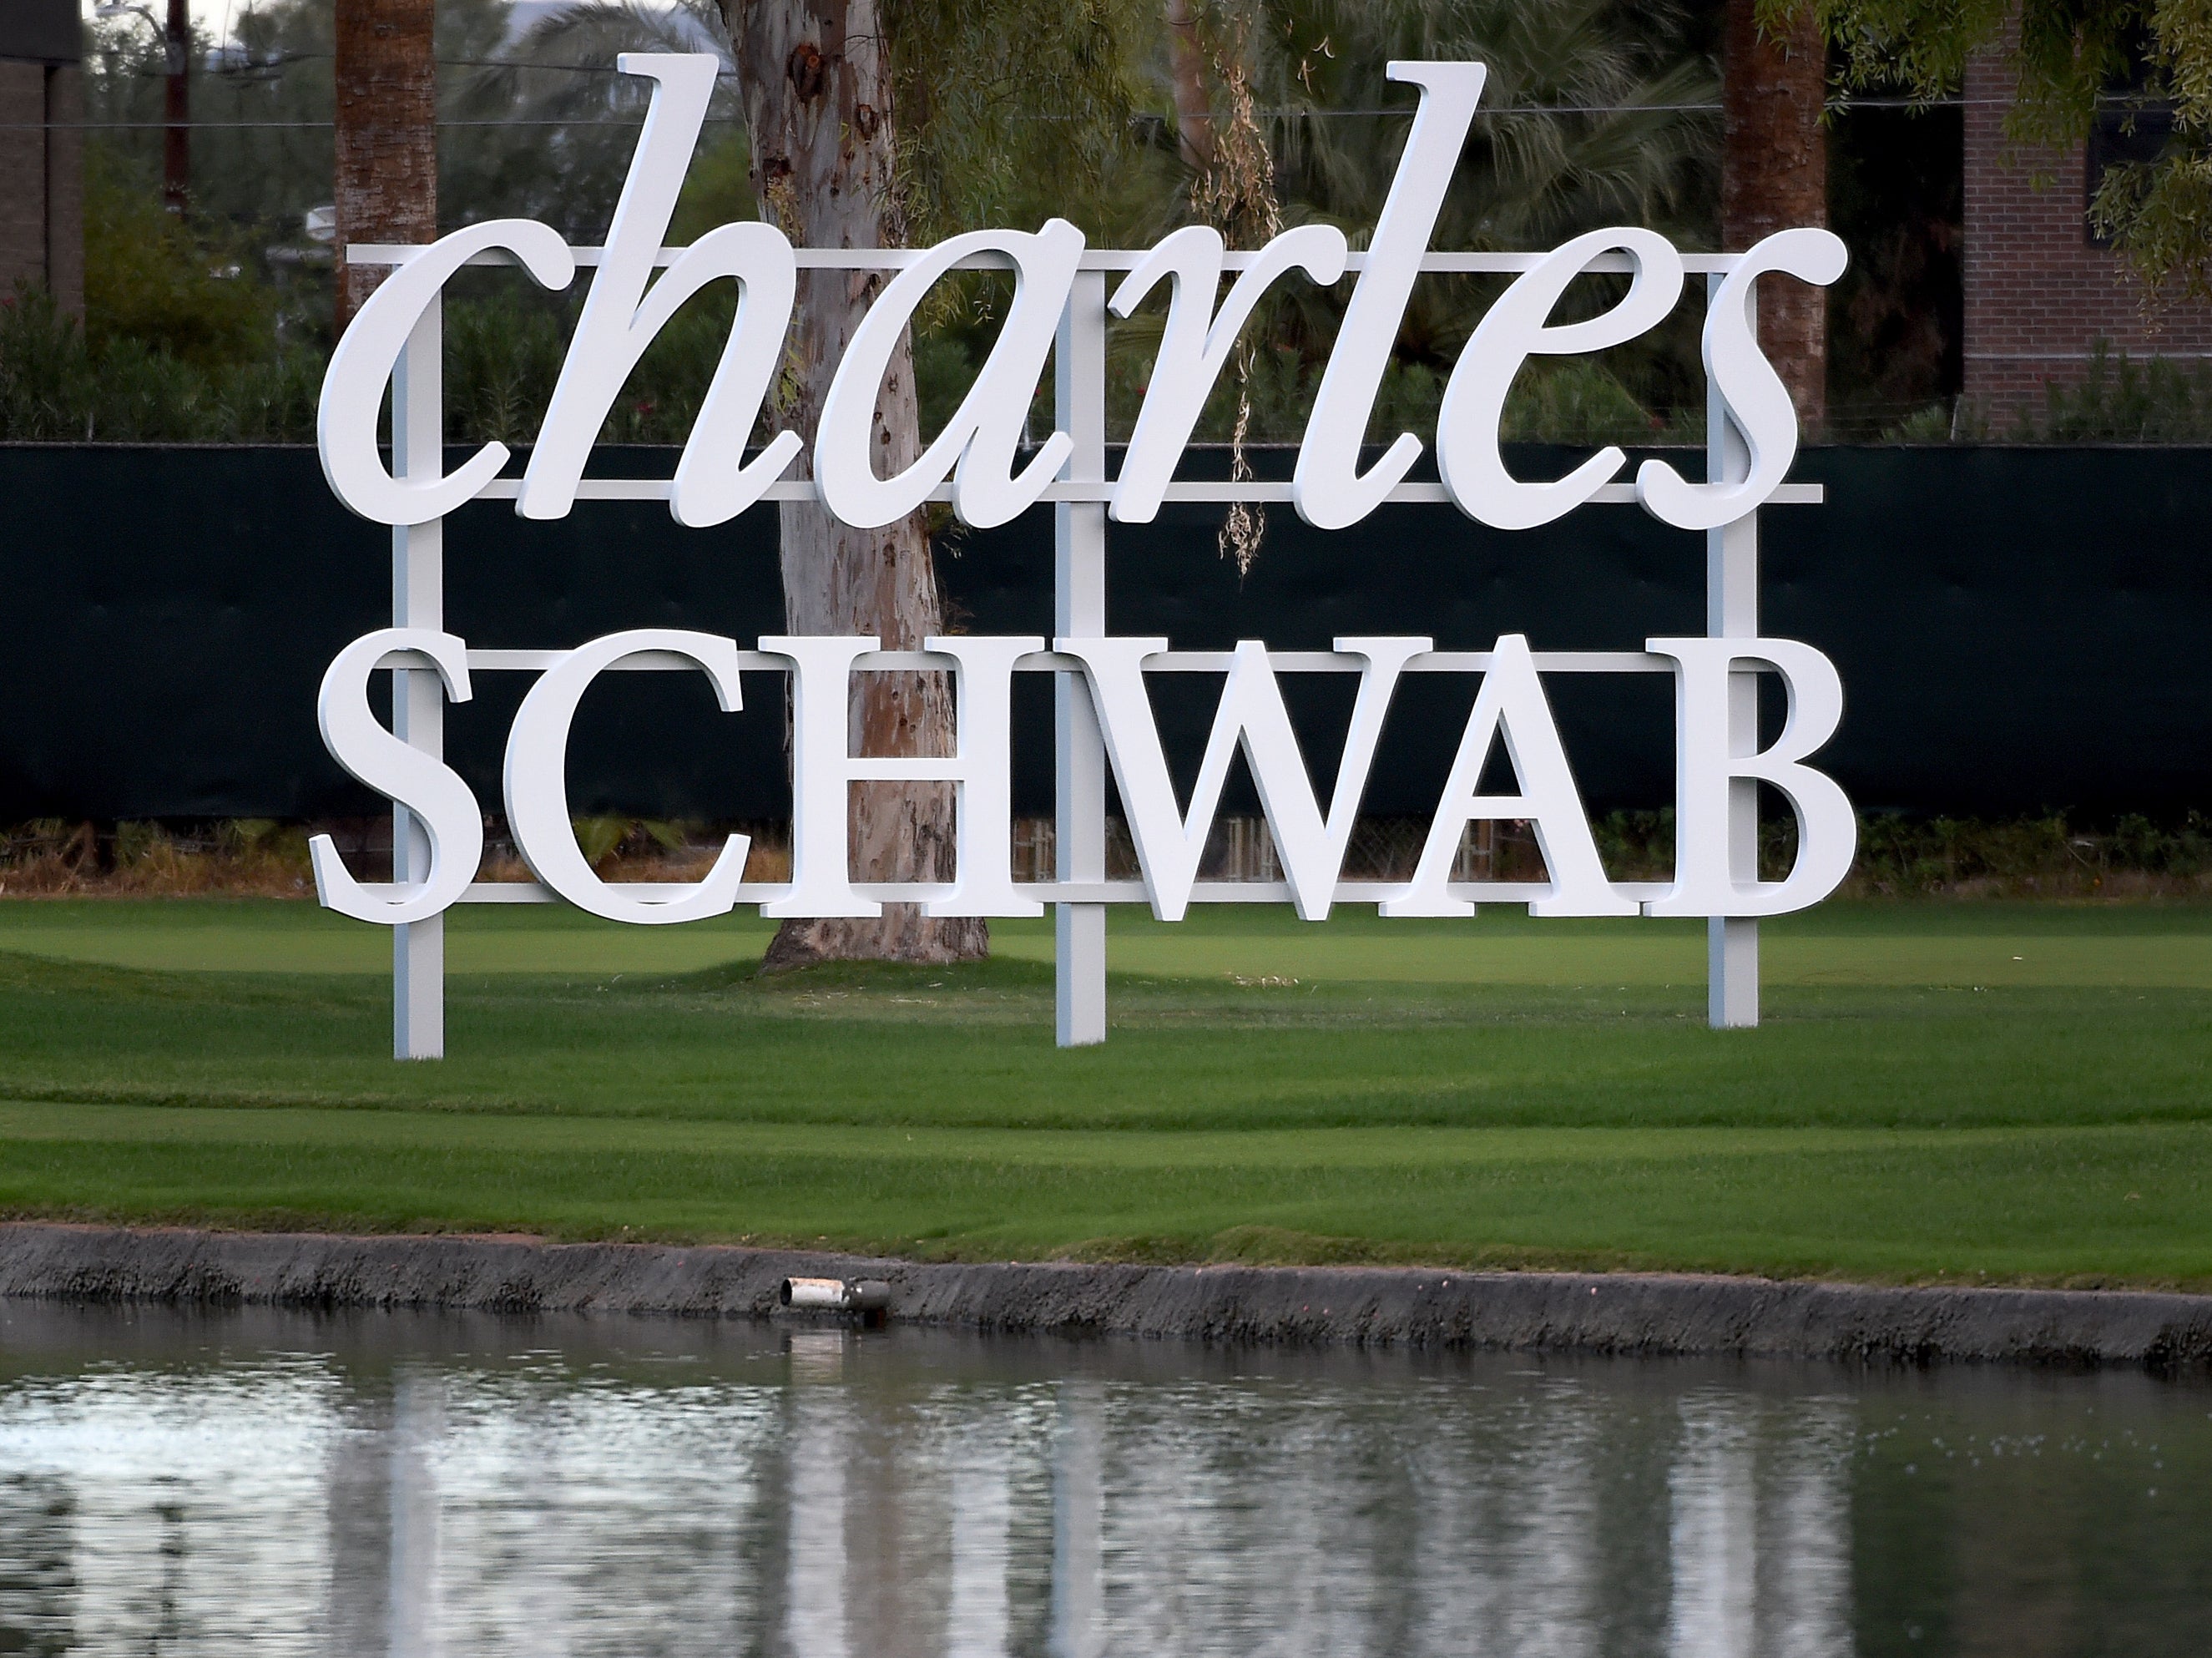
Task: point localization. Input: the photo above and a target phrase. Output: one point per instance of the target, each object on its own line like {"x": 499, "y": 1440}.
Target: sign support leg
{"x": 1080, "y": 612}
{"x": 1732, "y": 612}
{"x": 418, "y": 700}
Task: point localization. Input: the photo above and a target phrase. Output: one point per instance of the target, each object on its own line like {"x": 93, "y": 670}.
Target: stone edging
{"x": 1374, "y": 1307}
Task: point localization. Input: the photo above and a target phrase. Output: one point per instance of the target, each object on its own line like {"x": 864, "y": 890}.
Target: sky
{"x": 216, "y": 16}
{"x": 213, "y": 16}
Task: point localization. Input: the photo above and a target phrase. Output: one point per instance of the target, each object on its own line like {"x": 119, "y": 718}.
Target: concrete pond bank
{"x": 1656, "y": 1313}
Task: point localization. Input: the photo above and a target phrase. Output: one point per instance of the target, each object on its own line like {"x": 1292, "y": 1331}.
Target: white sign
{"x": 975, "y": 464}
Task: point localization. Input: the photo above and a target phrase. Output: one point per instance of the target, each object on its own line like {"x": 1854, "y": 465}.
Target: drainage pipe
{"x": 861, "y": 1294}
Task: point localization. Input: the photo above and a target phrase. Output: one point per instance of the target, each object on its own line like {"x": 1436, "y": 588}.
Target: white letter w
{"x": 1170, "y": 842}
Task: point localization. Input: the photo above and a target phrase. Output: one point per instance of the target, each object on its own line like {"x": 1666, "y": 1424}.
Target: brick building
{"x": 42, "y": 163}
{"x": 2041, "y": 294}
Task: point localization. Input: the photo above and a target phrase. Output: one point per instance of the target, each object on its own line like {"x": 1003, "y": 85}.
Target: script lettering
{"x": 1517, "y": 328}
{"x": 979, "y": 447}
{"x": 1759, "y": 403}
{"x": 361, "y": 367}
{"x": 1197, "y": 342}
{"x": 987, "y": 429}
{"x": 1328, "y": 488}
{"x": 620, "y": 319}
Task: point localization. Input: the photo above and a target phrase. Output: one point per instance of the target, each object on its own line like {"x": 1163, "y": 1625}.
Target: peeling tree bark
{"x": 816, "y": 85}
{"x": 1774, "y": 175}
{"x": 386, "y": 184}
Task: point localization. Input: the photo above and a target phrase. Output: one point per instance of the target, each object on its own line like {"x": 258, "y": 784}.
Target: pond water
{"x": 252, "y": 1482}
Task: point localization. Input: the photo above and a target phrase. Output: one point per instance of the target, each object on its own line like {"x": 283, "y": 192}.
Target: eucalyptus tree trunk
{"x": 1774, "y": 174}
{"x": 817, "y": 84}
{"x": 387, "y": 187}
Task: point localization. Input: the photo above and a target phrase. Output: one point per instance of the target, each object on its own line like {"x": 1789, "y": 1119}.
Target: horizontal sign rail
{"x": 1208, "y": 492}
{"x": 1049, "y": 892}
{"x": 529, "y": 661}
{"x": 1101, "y": 258}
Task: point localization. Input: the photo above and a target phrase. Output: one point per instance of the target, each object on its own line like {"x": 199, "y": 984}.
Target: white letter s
{"x": 1757, "y": 403}
{"x": 426, "y": 786}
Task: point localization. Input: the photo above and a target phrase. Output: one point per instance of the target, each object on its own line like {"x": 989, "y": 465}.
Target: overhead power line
{"x": 726, "y": 120}
{"x": 320, "y": 126}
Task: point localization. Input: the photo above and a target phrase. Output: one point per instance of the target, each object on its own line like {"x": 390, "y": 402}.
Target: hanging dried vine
{"x": 1235, "y": 192}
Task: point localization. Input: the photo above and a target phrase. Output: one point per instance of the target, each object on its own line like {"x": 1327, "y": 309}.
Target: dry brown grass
{"x": 2032, "y": 858}
{"x": 241, "y": 858}
{"x": 2064, "y": 886}
{"x": 257, "y": 858}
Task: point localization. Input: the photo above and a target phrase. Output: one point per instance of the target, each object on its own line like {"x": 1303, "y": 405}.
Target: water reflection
{"x": 406, "y": 1487}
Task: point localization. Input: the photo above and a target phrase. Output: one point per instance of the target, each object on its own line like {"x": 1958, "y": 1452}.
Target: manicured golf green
{"x": 2017, "y": 1091}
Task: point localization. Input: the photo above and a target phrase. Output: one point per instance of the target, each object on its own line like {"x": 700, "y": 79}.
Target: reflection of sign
{"x": 1059, "y": 306}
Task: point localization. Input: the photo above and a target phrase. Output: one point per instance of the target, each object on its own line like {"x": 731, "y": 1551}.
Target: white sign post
{"x": 418, "y": 700}
{"x": 1732, "y": 612}
{"x": 1102, "y": 716}
{"x": 1078, "y": 612}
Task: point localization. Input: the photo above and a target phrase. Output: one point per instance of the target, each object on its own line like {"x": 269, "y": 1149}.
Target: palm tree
{"x": 1593, "y": 113}
{"x": 550, "y": 135}
{"x": 1774, "y": 174}
{"x": 386, "y": 131}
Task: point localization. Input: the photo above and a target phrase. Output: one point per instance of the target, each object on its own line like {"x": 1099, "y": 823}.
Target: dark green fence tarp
{"x": 2017, "y": 629}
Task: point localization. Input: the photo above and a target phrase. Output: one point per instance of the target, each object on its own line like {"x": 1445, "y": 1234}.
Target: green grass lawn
{"x": 1957, "y": 1091}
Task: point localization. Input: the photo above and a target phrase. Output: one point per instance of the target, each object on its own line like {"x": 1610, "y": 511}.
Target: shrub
{"x": 167, "y": 282}
{"x": 2117, "y": 400}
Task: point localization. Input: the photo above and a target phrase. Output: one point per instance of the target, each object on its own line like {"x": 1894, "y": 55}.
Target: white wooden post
{"x": 1080, "y": 612}
{"x": 418, "y": 700}
{"x": 1732, "y": 612}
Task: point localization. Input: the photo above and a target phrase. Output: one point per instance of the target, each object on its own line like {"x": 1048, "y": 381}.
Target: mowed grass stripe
{"x": 972, "y": 1046}
{"x": 2039, "y": 1131}
{"x": 2126, "y": 1204}
{"x": 1996, "y": 945}
{"x": 1304, "y": 1148}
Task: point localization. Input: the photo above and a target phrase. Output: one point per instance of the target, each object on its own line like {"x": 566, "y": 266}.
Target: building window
{"x": 2127, "y": 130}
{"x": 2131, "y": 127}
